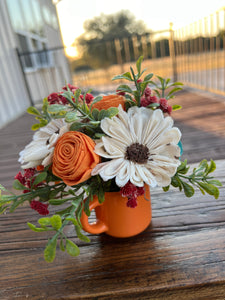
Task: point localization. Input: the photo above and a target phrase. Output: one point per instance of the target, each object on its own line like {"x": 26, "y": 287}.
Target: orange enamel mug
{"x": 115, "y": 218}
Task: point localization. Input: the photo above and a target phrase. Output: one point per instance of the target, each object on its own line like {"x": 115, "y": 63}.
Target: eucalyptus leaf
{"x": 95, "y": 114}
{"x": 71, "y": 116}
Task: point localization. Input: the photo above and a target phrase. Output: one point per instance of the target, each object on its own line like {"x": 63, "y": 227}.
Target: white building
{"x": 26, "y": 78}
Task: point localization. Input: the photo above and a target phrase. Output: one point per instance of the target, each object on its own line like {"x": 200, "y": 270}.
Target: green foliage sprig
{"x": 163, "y": 89}
{"x": 199, "y": 178}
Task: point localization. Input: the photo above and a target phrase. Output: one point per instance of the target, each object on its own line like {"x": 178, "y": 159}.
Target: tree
{"x": 97, "y": 42}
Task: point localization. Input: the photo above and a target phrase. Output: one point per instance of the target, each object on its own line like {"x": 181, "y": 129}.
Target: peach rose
{"x": 110, "y": 101}
{"x": 74, "y": 157}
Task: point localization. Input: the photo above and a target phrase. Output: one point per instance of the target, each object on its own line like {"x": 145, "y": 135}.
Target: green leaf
{"x": 3, "y": 188}
{"x": 148, "y": 77}
{"x": 77, "y": 95}
{"x": 6, "y": 198}
{"x": 138, "y": 64}
{"x": 95, "y": 100}
{"x": 203, "y": 165}
{"x": 175, "y": 181}
{"x": 112, "y": 111}
{"x": 210, "y": 189}
{"x": 33, "y": 111}
{"x": 188, "y": 189}
{"x": 166, "y": 188}
{"x": 50, "y": 250}
{"x": 214, "y": 182}
{"x": 174, "y": 90}
{"x": 101, "y": 195}
{"x": 57, "y": 201}
{"x": 125, "y": 88}
{"x": 3, "y": 209}
{"x": 71, "y": 116}
{"x": 157, "y": 92}
{"x": 72, "y": 248}
{"x": 167, "y": 81}
{"x": 56, "y": 108}
{"x": 34, "y": 228}
{"x": 39, "y": 178}
{"x": 56, "y": 222}
{"x": 44, "y": 221}
{"x": 17, "y": 185}
{"x": 212, "y": 167}
{"x": 61, "y": 245}
{"x": 153, "y": 105}
{"x": 176, "y": 107}
{"x": 162, "y": 81}
{"x": 182, "y": 165}
{"x": 176, "y": 83}
{"x": 73, "y": 220}
{"x": 76, "y": 126}
{"x": 103, "y": 114}
{"x": 65, "y": 211}
{"x": 36, "y": 126}
{"x": 95, "y": 114}
{"x": 80, "y": 235}
{"x": 126, "y": 76}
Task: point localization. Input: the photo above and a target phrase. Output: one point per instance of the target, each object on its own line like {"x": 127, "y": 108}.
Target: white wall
{"x": 13, "y": 96}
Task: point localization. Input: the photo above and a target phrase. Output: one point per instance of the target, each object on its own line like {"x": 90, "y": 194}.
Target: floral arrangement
{"x": 86, "y": 146}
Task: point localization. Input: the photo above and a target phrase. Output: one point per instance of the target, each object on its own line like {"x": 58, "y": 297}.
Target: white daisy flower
{"x": 40, "y": 150}
{"x": 142, "y": 147}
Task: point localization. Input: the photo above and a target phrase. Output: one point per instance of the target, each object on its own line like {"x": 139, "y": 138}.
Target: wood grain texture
{"x": 181, "y": 255}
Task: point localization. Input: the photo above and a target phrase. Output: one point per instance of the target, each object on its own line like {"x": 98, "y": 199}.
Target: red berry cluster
{"x": 40, "y": 207}
{"x": 132, "y": 192}
{"x": 27, "y": 178}
{"x": 164, "y": 106}
{"x": 57, "y": 98}
{"x": 147, "y": 99}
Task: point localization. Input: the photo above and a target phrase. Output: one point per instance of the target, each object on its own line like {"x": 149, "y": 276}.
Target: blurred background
{"x": 45, "y": 44}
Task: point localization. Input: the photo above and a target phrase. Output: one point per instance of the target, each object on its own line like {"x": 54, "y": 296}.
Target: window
{"x": 28, "y": 21}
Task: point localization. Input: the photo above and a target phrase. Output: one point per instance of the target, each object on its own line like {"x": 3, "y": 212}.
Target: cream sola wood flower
{"x": 40, "y": 150}
{"x": 141, "y": 146}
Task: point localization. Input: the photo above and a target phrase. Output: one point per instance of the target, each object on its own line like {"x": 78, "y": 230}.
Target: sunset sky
{"x": 156, "y": 14}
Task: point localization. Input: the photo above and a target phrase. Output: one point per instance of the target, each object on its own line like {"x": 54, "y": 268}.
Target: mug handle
{"x": 95, "y": 227}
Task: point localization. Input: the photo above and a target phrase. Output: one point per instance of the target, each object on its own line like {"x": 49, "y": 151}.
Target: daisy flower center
{"x": 137, "y": 153}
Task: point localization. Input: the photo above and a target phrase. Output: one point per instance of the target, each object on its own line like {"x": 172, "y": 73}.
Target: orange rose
{"x": 74, "y": 157}
{"x": 110, "y": 101}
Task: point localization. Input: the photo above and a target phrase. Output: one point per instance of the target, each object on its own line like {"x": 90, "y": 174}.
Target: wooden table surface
{"x": 181, "y": 255}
